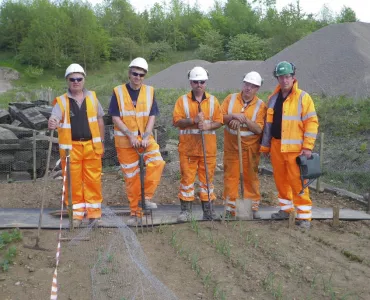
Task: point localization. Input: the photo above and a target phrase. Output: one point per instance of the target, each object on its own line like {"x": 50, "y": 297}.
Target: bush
{"x": 159, "y": 51}
{"x": 246, "y": 47}
{"x": 208, "y": 53}
{"x": 211, "y": 48}
{"x": 34, "y": 72}
{"x": 123, "y": 48}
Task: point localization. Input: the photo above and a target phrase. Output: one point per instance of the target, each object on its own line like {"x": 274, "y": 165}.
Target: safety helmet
{"x": 254, "y": 78}
{"x": 198, "y": 73}
{"x": 74, "y": 68}
{"x": 139, "y": 62}
{"x": 284, "y": 68}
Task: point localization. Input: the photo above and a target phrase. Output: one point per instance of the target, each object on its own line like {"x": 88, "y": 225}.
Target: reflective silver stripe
{"x": 152, "y": 152}
{"x": 300, "y": 103}
{"x": 185, "y": 194}
{"x": 186, "y": 106}
{"x": 148, "y": 99}
{"x": 127, "y": 113}
{"x": 78, "y": 213}
{"x": 202, "y": 190}
{"x": 155, "y": 158}
{"x": 304, "y": 216}
{"x": 242, "y": 133}
{"x": 308, "y": 134}
{"x": 285, "y": 207}
{"x": 291, "y": 118}
{"x": 309, "y": 115}
{"x": 129, "y": 166}
{"x": 79, "y": 205}
{"x": 93, "y": 119}
{"x": 211, "y": 107}
{"x": 231, "y": 202}
{"x": 291, "y": 142}
{"x": 231, "y": 103}
{"x": 285, "y": 201}
{"x": 256, "y": 109}
{"x": 130, "y": 175}
{"x": 196, "y": 131}
{"x": 121, "y": 100}
{"x": 120, "y": 133}
{"x": 65, "y": 146}
{"x": 304, "y": 207}
{"x": 65, "y": 125}
{"x": 96, "y": 139}
{"x": 64, "y": 103}
{"x": 142, "y": 114}
{"x": 187, "y": 187}
{"x": 93, "y": 205}
{"x": 230, "y": 209}
{"x": 273, "y": 100}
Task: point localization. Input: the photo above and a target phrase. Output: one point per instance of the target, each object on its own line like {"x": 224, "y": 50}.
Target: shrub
{"x": 123, "y": 48}
{"x": 159, "y": 51}
{"x": 211, "y": 48}
{"x": 246, "y": 47}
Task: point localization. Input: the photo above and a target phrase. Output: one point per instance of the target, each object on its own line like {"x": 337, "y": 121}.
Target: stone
{"x": 22, "y": 105}
{"x": 20, "y": 132}
{"x": 5, "y": 117}
{"x": 20, "y": 176}
{"x": 13, "y": 110}
{"x": 42, "y": 142}
{"x": 45, "y": 110}
{"x": 4, "y": 147}
{"x": 16, "y": 123}
{"x": 20, "y": 166}
{"x": 32, "y": 118}
{"x": 7, "y": 137}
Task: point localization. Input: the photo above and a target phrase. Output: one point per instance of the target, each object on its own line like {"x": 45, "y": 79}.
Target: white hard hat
{"x": 139, "y": 62}
{"x": 74, "y": 68}
{"x": 198, "y": 73}
{"x": 254, "y": 78}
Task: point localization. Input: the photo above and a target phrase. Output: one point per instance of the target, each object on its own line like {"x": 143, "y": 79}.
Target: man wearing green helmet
{"x": 290, "y": 130}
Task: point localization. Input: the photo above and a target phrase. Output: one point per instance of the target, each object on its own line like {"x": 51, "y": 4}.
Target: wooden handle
{"x": 240, "y": 163}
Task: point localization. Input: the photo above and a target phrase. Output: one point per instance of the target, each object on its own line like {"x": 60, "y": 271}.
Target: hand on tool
{"x": 199, "y": 118}
{"x": 145, "y": 142}
{"x": 53, "y": 123}
{"x": 240, "y": 117}
{"x": 306, "y": 152}
{"x": 204, "y": 126}
{"x": 234, "y": 124}
{"x": 134, "y": 141}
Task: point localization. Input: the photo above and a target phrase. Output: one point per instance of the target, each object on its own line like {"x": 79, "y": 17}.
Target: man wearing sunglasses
{"x": 247, "y": 111}
{"x": 78, "y": 116}
{"x": 290, "y": 130}
{"x": 133, "y": 109}
{"x": 195, "y": 112}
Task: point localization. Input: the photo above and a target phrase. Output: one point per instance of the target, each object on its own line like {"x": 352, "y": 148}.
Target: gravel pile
{"x": 332, "y": 61}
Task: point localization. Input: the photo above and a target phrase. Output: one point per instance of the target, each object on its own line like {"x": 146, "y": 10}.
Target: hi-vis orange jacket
{"x": 135, "y": 119}
{"x": 190, "y": 137}
{"x": 299, "y": 125}
{"x": 64, "y": 129}
{"x": 255, "y": 111}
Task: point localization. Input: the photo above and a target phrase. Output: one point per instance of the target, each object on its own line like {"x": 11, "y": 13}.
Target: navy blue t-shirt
{"x": 134, "y": 94}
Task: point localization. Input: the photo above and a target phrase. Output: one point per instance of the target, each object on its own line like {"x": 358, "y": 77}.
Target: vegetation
{"x": 8, "y": 250}
{"x": 51, "y": 34}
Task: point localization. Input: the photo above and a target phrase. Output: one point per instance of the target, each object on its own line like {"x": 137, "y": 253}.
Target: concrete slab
{"x": 165, "y": 214}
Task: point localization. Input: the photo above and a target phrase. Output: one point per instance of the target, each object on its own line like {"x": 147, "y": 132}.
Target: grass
{"x": 8, "y": 251}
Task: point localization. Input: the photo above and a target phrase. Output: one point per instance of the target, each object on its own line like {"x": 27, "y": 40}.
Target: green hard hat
{"x": 284, "y": 68}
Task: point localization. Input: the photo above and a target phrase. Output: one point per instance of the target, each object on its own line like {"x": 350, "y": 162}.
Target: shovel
{"x": 243, "y": 206}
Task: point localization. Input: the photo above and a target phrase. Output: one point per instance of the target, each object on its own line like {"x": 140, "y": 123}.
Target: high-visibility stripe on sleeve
{"x": 65, "y": 146}
{"x": 291, "y": 142}
{"x": 96, "y": 139}
{"x": 308, "y": 134}
{"x": 231, "y": 103}
{"x": 309, "y": 115}
{"x": 93, "y": 119}
{"x": 186, "y": 106}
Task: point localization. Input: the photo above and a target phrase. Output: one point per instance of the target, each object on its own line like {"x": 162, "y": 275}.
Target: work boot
{"x": 76, "y": 223}
{"x": 185, "y": 214}
{"x": 303, "y": 224}
{"x": 256, "y": 215}
{"x": 280, "y": 215}
{"x": 208, "y": 213}
{"x": 228, "y": 216}
{"x": 150, "y": 205}
{"x": 95, "y": 222}
{"x": 133, "y": 221}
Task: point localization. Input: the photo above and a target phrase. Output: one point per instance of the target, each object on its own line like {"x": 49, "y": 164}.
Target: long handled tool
{"x": 45, "y": 179}
{"x": 69, "y": 187}
{"x": 205, "y": 165}
{"x": 243, "y": 206}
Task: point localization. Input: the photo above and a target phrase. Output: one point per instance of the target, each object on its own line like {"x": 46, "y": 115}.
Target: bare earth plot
{"x": 199, "y": 260}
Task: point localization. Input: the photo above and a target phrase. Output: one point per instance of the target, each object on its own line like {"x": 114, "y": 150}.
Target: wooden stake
{"x": 156, "y": 135}
{"x": 318, "y": 180}
{"x": 335, "y": 216}
{"x": 292, "y": 217}
{"x": 75, "y": 239}
{"x": 34, "y": 154}
{"x": 69, "y": 183}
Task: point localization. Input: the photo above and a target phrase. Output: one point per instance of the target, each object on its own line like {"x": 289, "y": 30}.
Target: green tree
{"x": 246, "y": 47}
{"x": 347, "y": 14}
{"x": 124, "y": 48}
{"x": 211, "y": 47}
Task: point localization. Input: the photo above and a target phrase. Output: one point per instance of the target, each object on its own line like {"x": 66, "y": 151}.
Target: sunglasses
{"x": 75, "y": 79}
{"x": 199, "y": 81}
{"x": 137, "y": 74}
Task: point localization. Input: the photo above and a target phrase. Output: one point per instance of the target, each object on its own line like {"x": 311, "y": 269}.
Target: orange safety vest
{"x": 190, "y": 142}
{"x": 299, "y": 125}
{"x": 251, "y": 112}
{"x": 64, "y": 129}
{"x": 135, "y": 119}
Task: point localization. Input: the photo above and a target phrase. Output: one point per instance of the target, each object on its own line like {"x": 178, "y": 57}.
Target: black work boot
{"x": 208, "y": 211}
{"x": 185, "y": 214}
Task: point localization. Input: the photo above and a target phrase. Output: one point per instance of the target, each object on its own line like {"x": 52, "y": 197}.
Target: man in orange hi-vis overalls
{"x": 290, "y": 130}
{"x": 195, "y": 112}
{"x": 78, "y": 116}
{"x": 133, "y": 108}
{"x": 246, "y": 110}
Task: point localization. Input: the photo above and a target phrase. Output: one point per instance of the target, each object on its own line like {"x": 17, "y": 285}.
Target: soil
{"x": 200, "y": 260}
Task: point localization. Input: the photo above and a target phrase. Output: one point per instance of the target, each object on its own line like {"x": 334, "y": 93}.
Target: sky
{"x": 361, "y": 7}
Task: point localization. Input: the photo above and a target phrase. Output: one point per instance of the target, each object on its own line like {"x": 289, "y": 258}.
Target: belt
{"x": 82, "y": 139}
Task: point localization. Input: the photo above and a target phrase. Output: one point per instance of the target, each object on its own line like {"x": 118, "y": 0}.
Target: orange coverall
{"x": 256, "y": 112}
{"x": 299, "y": 129}
{"x": 190, "y": 145}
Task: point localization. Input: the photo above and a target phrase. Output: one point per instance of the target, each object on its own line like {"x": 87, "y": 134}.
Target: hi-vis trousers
{"x": 288, "y": 182}
{"x": 129, "y": 160}
{"x": 85, "y": 170}
{"x": 189, "y": 165}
